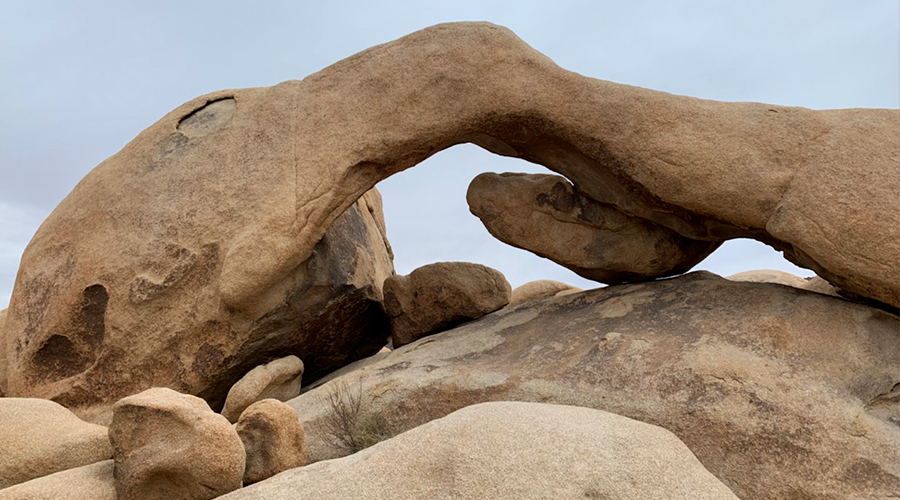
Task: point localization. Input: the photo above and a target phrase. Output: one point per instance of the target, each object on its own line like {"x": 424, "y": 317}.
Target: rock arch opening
{"x": 428, "y": 219}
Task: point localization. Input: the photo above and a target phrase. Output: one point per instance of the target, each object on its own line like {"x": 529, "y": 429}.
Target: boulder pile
{"x": 166, "y": 315}
{"x": 279, "y": 379}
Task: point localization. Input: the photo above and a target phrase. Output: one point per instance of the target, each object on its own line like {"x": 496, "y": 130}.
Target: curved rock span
{"x": 227, "y": 196}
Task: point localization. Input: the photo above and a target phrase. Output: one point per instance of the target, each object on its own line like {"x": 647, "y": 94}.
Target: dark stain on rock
{"x": 397, "y": 367}
{"x": 560, "y": 198}
{"x": 59, "y": 358}
{"x": 63, "y": 355}
{"x": 341, "y": 258}
{"x": 207, "y": 360}
{"x": 427, "y": 404}
{"x": 93, "y": 314}
{"x": 866, "y": 472}
{"x": 170, "y": 150}
{"x": 211, "y": 117}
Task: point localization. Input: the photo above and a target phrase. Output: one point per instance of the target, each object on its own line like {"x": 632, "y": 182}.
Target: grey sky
{"x": 81, "y": 79}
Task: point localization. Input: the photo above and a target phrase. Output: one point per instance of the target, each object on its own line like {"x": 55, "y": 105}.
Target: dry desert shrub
{"x": 350, "y": 422}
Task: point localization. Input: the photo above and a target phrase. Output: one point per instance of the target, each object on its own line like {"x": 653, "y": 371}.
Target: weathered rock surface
{"x": 88, "y": 482}
{"x": 3, "y": 382}
{"x": 438, "y": 296}
{"x": 152, "y": 257}
{"x": 781, "y": 393}
{"x": 814, "y": 284}
{"x": 769, "y": 276}
{"x": 509, "y": 450}
{"x": 203, "y": 236}
{"x": 546, "y": 215}
{"x": 39, "y": 437}
{"x": 170, "y": 445}
{"x": 540, "y": 289}
{"x": 818, "y": 285}
{"x": 225, "y": 199}
{"x": 279, "y": 379}
{"x": 273, "y": 438}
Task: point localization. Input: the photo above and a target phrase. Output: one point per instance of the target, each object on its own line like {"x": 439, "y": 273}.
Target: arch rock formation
{"x": 220, "y": 205}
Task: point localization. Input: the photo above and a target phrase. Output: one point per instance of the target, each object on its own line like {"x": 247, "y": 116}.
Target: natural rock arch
{"x": 708, "y": 170}
{"x": 239, "y": 186}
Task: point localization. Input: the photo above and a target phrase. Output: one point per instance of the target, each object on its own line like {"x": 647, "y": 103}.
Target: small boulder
{"x": 88, "y": 482}
{"x": 539, "y": 289}
{"x": 40, "y": 437}
{"x": 279, "y": 379}
{"x": 819, "y": 285}
{"x": 171, "y": 445}
{"x": 509, "y": 450}
{"x": 548, "y": 216}
{"x": 769, "y": 276}
{"x": 814, "y": 284}
{"x": 441, "y": 295}
{"x": 273, "y": 438}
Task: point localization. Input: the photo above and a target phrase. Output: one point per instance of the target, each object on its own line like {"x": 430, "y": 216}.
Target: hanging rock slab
{"x": 546, "y": 215}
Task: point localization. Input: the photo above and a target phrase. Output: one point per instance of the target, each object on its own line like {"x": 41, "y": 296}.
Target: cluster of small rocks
{"x": 163, "y": 444}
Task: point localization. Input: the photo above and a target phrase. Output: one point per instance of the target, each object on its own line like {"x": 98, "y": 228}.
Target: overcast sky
{"x": 82, "y": 78}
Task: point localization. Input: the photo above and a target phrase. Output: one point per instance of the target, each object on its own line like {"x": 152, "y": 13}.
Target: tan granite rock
{"x": 814, "y": 284}
{"x": 170, "y": 445}
{"x": 273, "y": 438}
{"x": 441, "y": 295}
{"x": 546, "y": 215}
{"x": 779, "y": 392}
{"x": 769, "y": 276}
{"x": 40, "y": 437}
{"x": 708, "y": 170}
{"x": 202, "y": 226}
{"x": 152, "y": 271}
{"x": 278, "y": 379}
{"x": 539, "y": 289}
{"x": 88, "y": 482}
{"x": 509, "y": 450}
{"x": 818, "y": 285}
